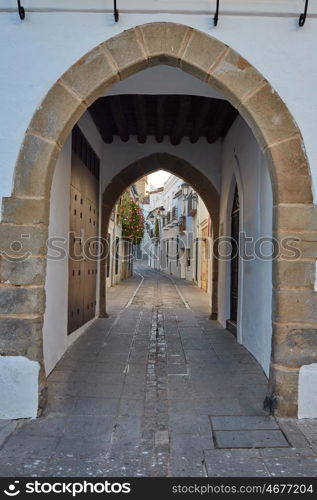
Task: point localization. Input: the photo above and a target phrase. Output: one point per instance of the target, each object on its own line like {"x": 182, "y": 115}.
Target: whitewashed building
{"x": 183, "y": 246}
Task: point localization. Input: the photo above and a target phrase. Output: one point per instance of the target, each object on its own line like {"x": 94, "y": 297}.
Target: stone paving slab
{"x": 6, "y": 428}
{"x": 291, "y": 466}
{"x": 309, "y": 429}
{"x": 291, "y": 430}
{"x": 230, "y": 423}
{"x": 19, "y": 445}
{"x": 235, "y": 463}
{"x": 250, "y": 439}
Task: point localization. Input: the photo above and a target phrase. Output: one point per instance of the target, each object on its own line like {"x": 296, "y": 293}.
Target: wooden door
{"x": 83, "y": 232}
{"x": 204, "y": 259}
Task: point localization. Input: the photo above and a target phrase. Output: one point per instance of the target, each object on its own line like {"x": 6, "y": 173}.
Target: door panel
{"x": 204, "y": 260}
{"x": 234, "y": 265}
{"x": 83, "y": 234}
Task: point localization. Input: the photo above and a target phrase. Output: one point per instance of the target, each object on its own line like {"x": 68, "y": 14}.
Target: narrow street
{"x": 157, "y": 389}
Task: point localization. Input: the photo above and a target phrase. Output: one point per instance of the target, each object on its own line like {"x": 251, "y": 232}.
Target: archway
{"x": 22, "y": 290}
{"x": 178, "y": 167}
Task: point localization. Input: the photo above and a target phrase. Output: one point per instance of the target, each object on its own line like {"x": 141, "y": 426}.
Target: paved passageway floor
{"x": 157, "y": 389}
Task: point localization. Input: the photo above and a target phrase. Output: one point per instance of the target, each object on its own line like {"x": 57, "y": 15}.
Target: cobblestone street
{"x": 157, "y": 389}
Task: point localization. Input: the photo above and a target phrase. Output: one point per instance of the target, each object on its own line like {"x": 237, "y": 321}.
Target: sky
{"x": 158, "y": 178}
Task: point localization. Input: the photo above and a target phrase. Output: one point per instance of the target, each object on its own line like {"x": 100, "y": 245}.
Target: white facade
{"x": 243, "y": 163}
{"x": 264, "y": 32}
{"x": 180, "y": 232}
{"x": 55, "y": 338}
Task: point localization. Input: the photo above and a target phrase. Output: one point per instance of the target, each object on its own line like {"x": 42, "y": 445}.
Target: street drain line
{"x": 155, "y": 435}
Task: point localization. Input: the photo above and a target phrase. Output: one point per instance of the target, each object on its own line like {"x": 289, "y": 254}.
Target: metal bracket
{"x": 115, "y": 11}
{"x": 302, "y": 17}
{"x": 216, "y": 16}
{"x": 21, "y": 10}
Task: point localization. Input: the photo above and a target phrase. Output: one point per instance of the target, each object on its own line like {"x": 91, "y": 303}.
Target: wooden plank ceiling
{"x": 173, "y": 116}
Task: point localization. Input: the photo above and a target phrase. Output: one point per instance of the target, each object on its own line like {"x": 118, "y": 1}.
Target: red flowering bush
{"x": 132, "y": 219}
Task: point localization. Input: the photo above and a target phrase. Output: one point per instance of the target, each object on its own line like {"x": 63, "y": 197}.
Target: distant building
{"x": 179, "y": 228}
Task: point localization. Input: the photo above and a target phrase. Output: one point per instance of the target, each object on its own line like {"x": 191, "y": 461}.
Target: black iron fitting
{"x": 21, "y": 10}
{"x": 216, "y": 16}
{"x": 302, "y": 17}
{"x": 115, "y": 11}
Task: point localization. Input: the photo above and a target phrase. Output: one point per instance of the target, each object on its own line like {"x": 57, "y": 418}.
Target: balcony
{"x": 182, "y": 224}
{"x": 192, "y": 205}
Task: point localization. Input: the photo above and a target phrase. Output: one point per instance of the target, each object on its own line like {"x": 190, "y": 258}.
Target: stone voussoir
{"x": 23, "y": 272}
{"x": 288, "y": 164}
{"x": 235, "y": 78}
{"x": 268, "y": 116}
{"x": 295, "y": 245}
{"x": 164, "y": 42}
{"x": 294, "y": 274}
{"x": 294, "y": 346}
{"x": 22, "y": 300}
{"x": 295, "y": 217}
{"x": 25, "y": 210}
{"x": 91, "y": 76}
{"x": 21, "y": 337}
{"x": 35, "y": 167}
{"x": 22, "y": 241}
{"x": 284, "y": 384}
{"x": 198, "y": 62}
{"x": 128, "y": 52}
{"x": 57, "y": 114}
{"x": 291, "y": 305}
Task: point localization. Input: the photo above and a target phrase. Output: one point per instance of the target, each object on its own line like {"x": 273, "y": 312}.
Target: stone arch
{"x": 22, "y": 291}
{"x": 179, "y": 167}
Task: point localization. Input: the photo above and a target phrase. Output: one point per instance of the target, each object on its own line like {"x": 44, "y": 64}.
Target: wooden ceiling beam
{"x": 223, "y": 115}
{"x": 216, "y": 119}
{"x": 119, "y": 118}
{"x": 181, "y": 119}
{"x": 200, "y": 118}
{"x": 140, "y": 116}
{"x": 162, "y": 115}
{"x": 160, "y": 111}
{"x": 97, "y": 113}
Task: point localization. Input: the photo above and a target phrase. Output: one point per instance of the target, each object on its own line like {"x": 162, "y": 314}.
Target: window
{"x": 192, "y": 204}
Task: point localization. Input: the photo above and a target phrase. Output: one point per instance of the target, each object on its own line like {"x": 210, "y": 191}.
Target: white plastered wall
{"x": 243, "y": 162}
{"x": 307, "y": 391}
{"x": 243, "y": 25}
{"x": 55, "y": 338}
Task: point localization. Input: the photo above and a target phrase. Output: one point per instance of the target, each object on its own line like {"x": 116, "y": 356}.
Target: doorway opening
{"x": 234, "y": 264}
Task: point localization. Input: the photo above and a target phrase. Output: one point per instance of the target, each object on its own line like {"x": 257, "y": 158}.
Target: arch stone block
{"x": 165, "y": 42}
{"x": 58, "y": 113}
{"x": 268, "y": 117}
{"x": 128, "y": 52}
{"x": 35, "y": 167}
{"x": 235, "y": 78}
{"x": 199, "y": 62}
{"x": 91, "y": 76}
{"x": 25, "y": 210}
